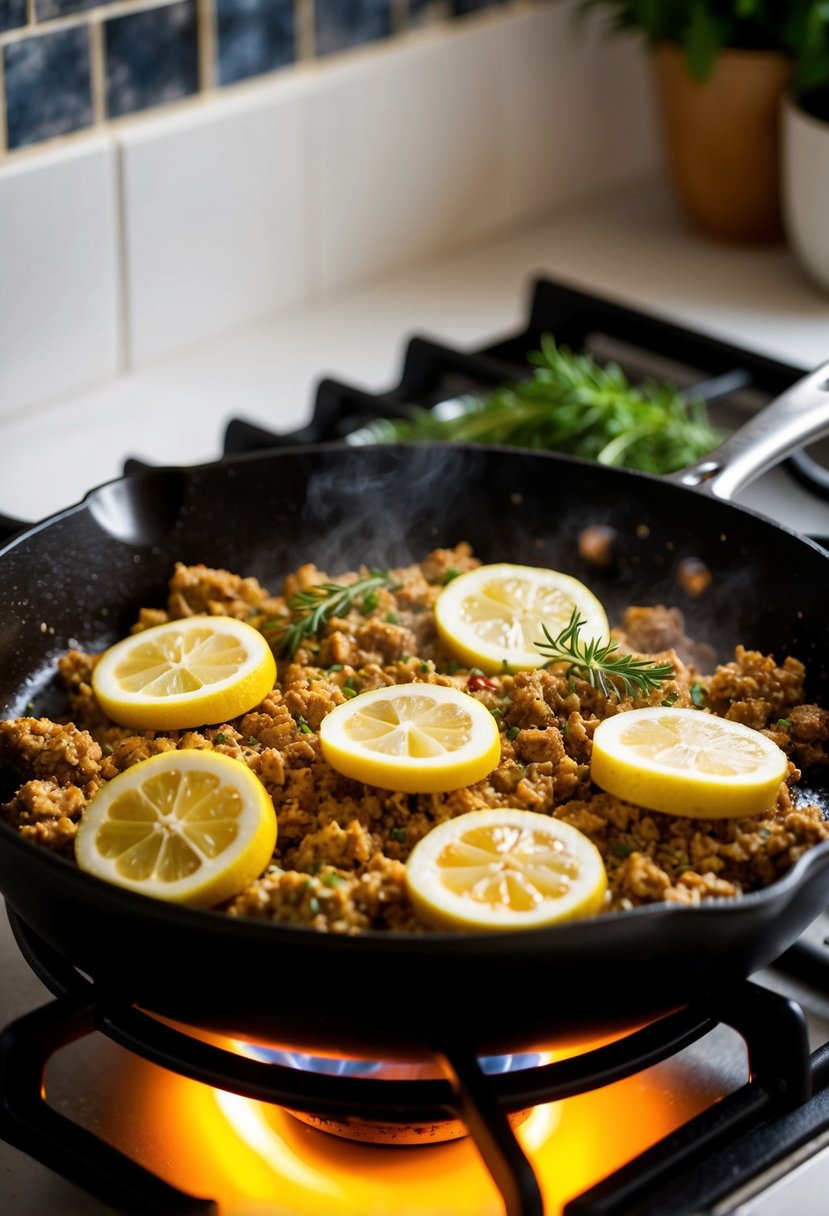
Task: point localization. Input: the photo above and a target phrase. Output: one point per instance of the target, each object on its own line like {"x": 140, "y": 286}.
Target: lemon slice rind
{"x": 505, "y": 869}
{"x": 417, "y": 738}
{"x": 686, "y": 762}
{"x": 193, "y": 672}
{"x": 490, "y": 617}
{"x": 191, "y": 826}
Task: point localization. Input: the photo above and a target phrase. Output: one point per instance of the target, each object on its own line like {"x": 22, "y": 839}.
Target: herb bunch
{"x": 797, "y": 28}
{"x": 573, "y": 404}
{"x": 599, "y": 662}
{"x": 313, "y": 606}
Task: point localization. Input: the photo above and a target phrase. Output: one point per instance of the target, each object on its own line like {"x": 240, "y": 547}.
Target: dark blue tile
{"x": 45, "y": 10}
{"x": 461, "y": 7}
{"x": 12, "y": 14}
{"x": 48, "y": 89}
{"x": 254, "y": 36}
{"x": 151, "y": 57}
{"x": 344, "y": 23}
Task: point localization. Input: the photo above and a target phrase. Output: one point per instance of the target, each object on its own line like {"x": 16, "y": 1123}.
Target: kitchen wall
{"x": 71, "y": 65}
{"x": 256, "y": 155}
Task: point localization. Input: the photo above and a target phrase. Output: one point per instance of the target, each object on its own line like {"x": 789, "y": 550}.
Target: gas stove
{"x": 721, "y": 1107}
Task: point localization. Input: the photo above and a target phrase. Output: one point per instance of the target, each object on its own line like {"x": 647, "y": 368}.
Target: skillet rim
{"x": 794, "y": 879}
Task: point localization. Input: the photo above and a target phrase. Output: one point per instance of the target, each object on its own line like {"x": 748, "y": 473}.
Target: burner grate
{"x": 772, "y": 1027}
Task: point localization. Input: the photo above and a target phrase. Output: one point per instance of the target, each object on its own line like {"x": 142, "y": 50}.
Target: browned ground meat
{"x": 339, "y": 864}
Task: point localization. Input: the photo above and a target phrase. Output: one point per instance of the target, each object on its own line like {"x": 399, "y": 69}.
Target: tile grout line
{"x": 207, "y": 35}
{"x": 305, "y": 31}
{"x": 4, "y": 130}
{"x": 119, "y": 8}
{"x": 122, "y": 256}
{"x": 97, "y": 71}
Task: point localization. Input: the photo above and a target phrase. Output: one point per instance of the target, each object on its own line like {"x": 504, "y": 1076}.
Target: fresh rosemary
{"x": 600, "y": 663}
{"x": 315, "y": 605}
{"x": 571, "y": 404}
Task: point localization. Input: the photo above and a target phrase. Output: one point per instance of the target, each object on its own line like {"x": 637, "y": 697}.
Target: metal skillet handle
{"x": 796, "y": 417}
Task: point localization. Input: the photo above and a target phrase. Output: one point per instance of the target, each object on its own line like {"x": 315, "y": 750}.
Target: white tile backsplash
{"x": 60, "y": 296}
{"x": 300, "y": 186}
{"x": 217, "y": 206}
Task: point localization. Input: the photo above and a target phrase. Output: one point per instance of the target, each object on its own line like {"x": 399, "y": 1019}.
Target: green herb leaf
{"x": 450, "y": 574}
{"x": 370, "y": 601}
{"x": 573, "y": 404}
{"x": 220, "y": 738}
{"x": 622, "y": 850}
{"x": 311, "y": 608}
{"x": 398, "y": 834}
{"x": 302, "y": 723}
{"x": 784, "y": 723}
{"x": 332, "y": 879}
{"x": 597, "y": 661}
{"x": 513, "y": 732}
{"x": 698, "y": 695}
{"x": 392, "y": 618}
{"x": 670, "y": 700}
{"x": 348, "y": 691}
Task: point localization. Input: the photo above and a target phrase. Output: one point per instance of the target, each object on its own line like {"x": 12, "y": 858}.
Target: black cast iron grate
{"x": 433, "y": 372}
{"x": 752, "y": 1128}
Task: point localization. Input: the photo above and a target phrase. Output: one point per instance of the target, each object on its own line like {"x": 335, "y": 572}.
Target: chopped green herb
{"x": 370, "y": 601}
{"x": 398, "y": 834}
{"x": 670, "y": 700}
{"x": 784, "y": 723}
{"x": 596, "y": 661}
{"x": 350, "y": 683}
{"x": 392, "y": 618}
{"x": 405, "y": 656}
{"x": 108, "y": 749}
{"x": 698, "y": 695}
{"x": 253, "y": 741}
{"x": 30, "y": 709}
{"x": 316, "y": 866}
{"x": 622, "y": 850}
{"x": 307, "y": 884}
{"x": 450, "y": 574}
{"x": 513, "y": 732}
{"x": 765, "y": 833}
{"x": 332, "y": 879}
{"x": 335, "y": 667}
{"x": 496, "y": 712}
{"x": 302, "y": 723}
{"x": 424, "y": 666}
{"x": 348, "y": 691}
{"x": 563, "y": 729}
{"x": 314, "y": 905}
{"x": 452, "y": 668}
{"x": 220, "y": 738}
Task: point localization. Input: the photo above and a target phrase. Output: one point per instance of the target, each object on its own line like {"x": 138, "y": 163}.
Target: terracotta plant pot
{"x": 722, "y": 140}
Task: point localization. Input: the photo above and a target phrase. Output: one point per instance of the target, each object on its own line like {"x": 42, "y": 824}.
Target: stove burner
{"x": 376, "y": 1131}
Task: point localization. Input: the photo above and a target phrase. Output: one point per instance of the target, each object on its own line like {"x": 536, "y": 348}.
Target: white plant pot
{"x": 806, "y": 190}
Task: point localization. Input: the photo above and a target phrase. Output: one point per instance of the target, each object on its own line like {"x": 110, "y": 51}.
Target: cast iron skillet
{"x": 80, "y": 577}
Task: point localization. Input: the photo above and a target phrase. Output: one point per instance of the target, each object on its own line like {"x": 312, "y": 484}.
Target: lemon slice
{"x": 686, "y": 762}
{"x": 194, "y": 827}
{"x": 504, "y": 869}
{"x": 420, "y": 738}
{"x": 491, "y": 616}
{"x": 201, "y": 670}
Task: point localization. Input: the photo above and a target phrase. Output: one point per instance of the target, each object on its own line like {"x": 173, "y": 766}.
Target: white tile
{"x": 402, "y": 143}
{"x": 216, "y": 215}
{"x": 575, "y": 111}
{"x": 454, "y": 134}
{"x": 60, "y": 313}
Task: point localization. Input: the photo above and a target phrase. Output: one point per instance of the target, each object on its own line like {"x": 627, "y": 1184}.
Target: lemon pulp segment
{"x": 505, "y": 869}
{"x": 193, "y": 672}
{"x": 190, "y": 826}
{"x": 419, "y": 738}
{"x": 492, "y": 616}
{"x": 686, "y": 762}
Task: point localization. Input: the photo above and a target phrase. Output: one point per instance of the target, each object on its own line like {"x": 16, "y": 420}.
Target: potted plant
{"x": 720, "y": 68}
{"x": 806, "y": 180}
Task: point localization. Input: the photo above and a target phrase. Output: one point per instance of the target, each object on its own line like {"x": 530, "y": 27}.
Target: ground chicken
{"x": 339, "y": 863}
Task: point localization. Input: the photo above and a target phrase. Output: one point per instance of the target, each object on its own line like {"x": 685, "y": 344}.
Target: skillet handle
{"x": 798, "y": 416}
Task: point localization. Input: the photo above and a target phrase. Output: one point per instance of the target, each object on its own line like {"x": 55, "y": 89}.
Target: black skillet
{"x": 80, "y": 577}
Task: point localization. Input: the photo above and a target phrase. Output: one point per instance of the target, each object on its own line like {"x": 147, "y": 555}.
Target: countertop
{"x": 631, "y": 246}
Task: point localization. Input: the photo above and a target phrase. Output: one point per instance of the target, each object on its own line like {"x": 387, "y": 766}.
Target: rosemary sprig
{"x": 315, "y": 605}
{"x": 570, "y": 404}
{"x": 596, "y": 661}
